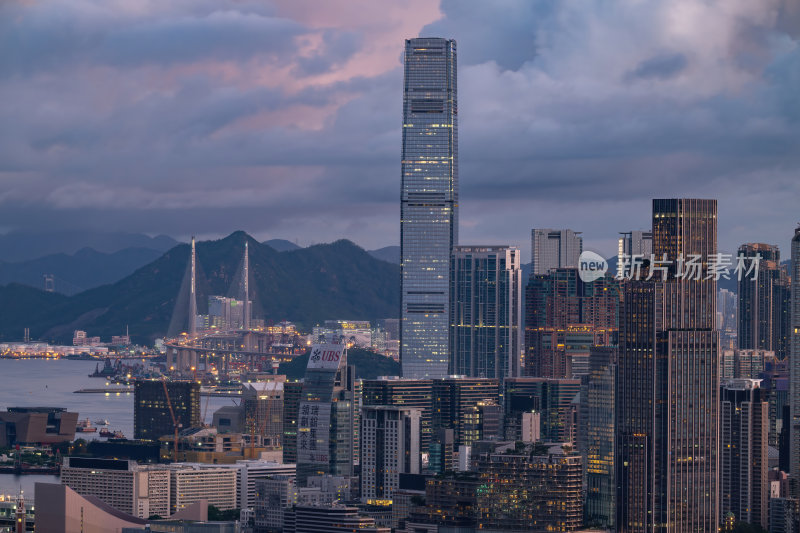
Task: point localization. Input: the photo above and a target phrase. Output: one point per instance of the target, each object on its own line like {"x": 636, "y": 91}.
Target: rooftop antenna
{"x": 193, "y": 296}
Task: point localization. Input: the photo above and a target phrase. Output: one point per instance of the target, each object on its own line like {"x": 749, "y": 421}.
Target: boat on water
{"x": 118, "y": 435}
{"x": 105, "y": 432}
{"x": 102, "y": 422}
{"x": 85, "y": 426}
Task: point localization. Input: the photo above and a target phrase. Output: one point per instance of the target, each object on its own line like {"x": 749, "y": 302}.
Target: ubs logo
{"x": 315, "y": 355}
{"x": 591, "y": 266}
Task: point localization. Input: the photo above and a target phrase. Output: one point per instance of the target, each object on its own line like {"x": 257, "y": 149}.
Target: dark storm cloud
{"x": 204, "y": 116}
{"x": 661, "y": 66}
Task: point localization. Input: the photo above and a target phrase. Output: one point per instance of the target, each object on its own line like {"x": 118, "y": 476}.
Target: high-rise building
{"x": 597, "y": 439}
{"x": 632, "y": 244}
{"x": 463, "y": 404}
{"x": 794, "y": 368}
{"x": 451, "y": 503}
{"x": 533, "y": 488}
{"x": 743, "y": 460}
{"x": 390, "y": 444}
{"x": 551, "y": 398}
{"x": 190, "y": 483}
{"x": 486, "y": 331}
{"x": 325, "y": 418}
{"x": 137, "y": 490}
{"x": 263, "y": 410}
{"x": 151, "y": 407}
{"x": 744, "y": 364}
{"x": 564, "y": 317}
{"x": 429, "y": 203}
{"x": 404, "y": 393}
{"x": 554, "y": 248}
{"x": 764, "y": 301}
{"x": 292, "y": 391}
{"x": 667, "y": 397}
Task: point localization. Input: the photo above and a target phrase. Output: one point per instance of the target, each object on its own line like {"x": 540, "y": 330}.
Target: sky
{"x": 283, "y": 118}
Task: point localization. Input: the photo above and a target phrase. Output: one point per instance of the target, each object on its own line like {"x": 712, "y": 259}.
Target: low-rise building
{"x": 36, "y": 425}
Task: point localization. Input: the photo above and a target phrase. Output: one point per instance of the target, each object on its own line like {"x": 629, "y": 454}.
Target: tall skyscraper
{"x": 794, "y": 368}
{"x": 564, "y": 318}
{"x": 390, "y": 440}
{"x": 554, "y": 248}
{"x": 428, "y": 204}
{"x": 633, "y": 243}
{"x": 668, "y": 382}
{"x": 764, "y": 301}
{"x": 325, "y": 415}
{"x": 486, "y": 312}
{"x": 596, "y": 438}
{"x": 151, "y": 407}
{"x": 743, "y": 460}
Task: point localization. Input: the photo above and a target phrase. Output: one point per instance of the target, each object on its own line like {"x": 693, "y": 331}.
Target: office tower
{"x": 531, "y": 488}
{"x": 137, "y": 490}
{"x": 554, "y": 248}
{"x": 564, "y": 318}
{"x": 763, "y": 300}
{"x": 390, "y": 441}
{"x": 668, "y": 383}
{"x": 597, "y": 440}
{"x": 485, "y": 312}
{"x": 743, "y": 459}
{"x": 794, "y": 368}
{"x": 404, "y": 393}
{"x": 263, "y": 410}
{"x": 292, "y": 391}
{"x": 775, "y": 387}
{"x": 428, "y": 205}
{"x": 551, "y": 398}
{"x": 325, "y": 418}
{"x": 631, "y": 244}
{"x": 458, "y": 403}
{"x": 274, "y": 496}
{"x": 151, "y": 407}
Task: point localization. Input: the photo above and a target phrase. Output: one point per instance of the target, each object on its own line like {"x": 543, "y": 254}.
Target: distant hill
{"x": 86, "y": 269}
{"x": 281, "y": 245}
{"x": 390, "y": 254}
{"x": 307, "y": 286}
{"x": 24, "y": 246}
{"x": 369, "y": 365}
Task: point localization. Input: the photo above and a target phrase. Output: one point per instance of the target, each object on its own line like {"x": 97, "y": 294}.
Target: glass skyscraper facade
{"x": 486, "y": 312}
{"x": 429, "y": 204}
{"x": 668, "y": 382}
{"x": 794, "y": 366}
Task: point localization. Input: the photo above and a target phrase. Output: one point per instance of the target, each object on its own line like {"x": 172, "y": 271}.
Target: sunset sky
{"x": 283, "y": 118}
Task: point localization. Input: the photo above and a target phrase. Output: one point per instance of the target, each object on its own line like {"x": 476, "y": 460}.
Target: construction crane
{"x": 174, "y": 420}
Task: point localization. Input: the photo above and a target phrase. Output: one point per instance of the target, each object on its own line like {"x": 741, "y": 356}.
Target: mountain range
{"x": 306, "y": 286}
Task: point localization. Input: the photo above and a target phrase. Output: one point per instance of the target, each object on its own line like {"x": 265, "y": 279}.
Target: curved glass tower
{"x": 428, "y": 204}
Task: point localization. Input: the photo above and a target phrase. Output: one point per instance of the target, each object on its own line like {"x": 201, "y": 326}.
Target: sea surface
{"x": 52, "y": 383}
